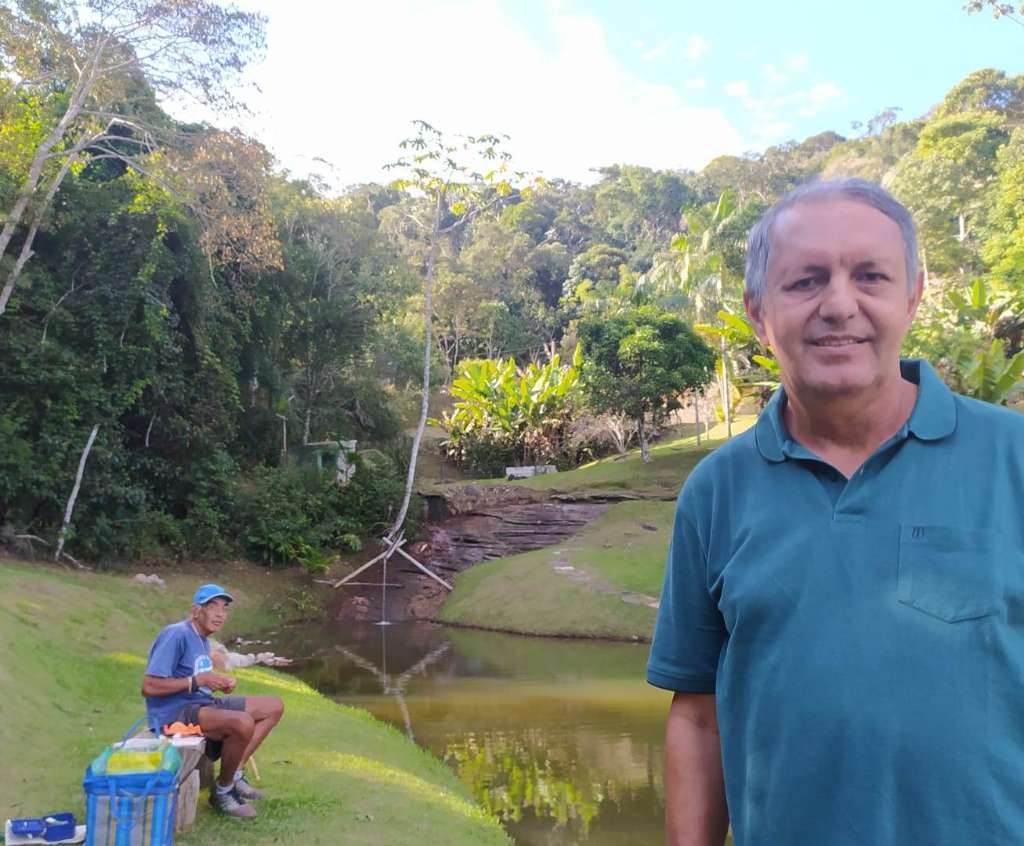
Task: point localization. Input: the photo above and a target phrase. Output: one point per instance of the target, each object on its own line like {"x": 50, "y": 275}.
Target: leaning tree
{"x": 77, "y": 77}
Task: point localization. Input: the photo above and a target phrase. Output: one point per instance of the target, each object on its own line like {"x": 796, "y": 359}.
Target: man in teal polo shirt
{"x": 842, "y": 620}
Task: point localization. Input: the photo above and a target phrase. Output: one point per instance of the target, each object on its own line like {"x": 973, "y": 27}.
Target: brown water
{"x": 562, "y": 740}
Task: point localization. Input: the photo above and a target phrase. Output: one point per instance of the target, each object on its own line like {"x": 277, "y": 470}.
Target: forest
{"x": 181, "y": 319}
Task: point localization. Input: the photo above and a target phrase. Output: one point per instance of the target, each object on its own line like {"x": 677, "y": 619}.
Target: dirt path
{"x": 560, "y": 564}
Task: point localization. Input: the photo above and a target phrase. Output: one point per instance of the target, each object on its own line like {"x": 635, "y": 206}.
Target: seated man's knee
{"x": 278, "y": 709}
{"x": 242, "y": 724}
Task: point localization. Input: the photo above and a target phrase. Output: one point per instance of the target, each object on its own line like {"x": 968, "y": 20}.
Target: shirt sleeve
{"x": 165, "y": 654}
{"x": 690, "y": 632}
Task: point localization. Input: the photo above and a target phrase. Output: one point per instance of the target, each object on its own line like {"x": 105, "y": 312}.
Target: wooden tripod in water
{"x": 391, "y": 547}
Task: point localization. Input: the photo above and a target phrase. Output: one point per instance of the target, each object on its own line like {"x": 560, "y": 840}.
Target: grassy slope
{"x": 660, "y": 479}
{"x": 74, "y": 653}
{"x": 524, "y": 593}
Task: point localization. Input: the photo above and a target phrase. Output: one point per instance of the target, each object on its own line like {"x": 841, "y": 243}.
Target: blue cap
{"x": 210, "y": 591}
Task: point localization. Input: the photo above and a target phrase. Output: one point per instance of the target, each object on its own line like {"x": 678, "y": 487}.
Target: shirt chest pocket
{"x": 949, "y": 573}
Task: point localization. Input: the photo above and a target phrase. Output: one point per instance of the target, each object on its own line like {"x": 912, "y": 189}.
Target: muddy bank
{"x": 467, "y": 525}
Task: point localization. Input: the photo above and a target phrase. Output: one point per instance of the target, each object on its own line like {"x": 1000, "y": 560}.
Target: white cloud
{"x": 696, "y": 82}
{"x": 739, "y": 89}
{"x": 696, "y": 47}
{"x": 639, "y": 44}
{"x": 823, "y": 92}
{"x": 773, "y": 74}
{"x": 659, "y": 51}
{"x": 798, "y": 62}
{"x": 346, "y": 87}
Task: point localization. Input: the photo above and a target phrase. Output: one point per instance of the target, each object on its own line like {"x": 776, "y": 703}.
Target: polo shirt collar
{"x": 933, "y": 417}
{"x": 934, "y": 414}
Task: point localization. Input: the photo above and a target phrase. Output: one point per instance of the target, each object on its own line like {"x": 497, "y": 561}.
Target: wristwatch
{"x": 192, "y": 685}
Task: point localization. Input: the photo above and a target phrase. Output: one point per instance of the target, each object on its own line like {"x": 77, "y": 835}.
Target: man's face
{"x": 210, "y": 617}
{"x": 836, "y": 305}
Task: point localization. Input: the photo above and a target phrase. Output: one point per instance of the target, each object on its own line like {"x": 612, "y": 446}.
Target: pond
{"x": 561, "y": 739}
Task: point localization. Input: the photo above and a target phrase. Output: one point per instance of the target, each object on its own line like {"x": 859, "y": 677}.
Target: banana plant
{"x": 522, "y": 409}
{"x": 990, "y": 376}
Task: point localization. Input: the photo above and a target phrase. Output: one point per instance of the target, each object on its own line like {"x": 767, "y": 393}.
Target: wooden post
{"x": 412, "y": 560}
{"x": 387, "y": 552}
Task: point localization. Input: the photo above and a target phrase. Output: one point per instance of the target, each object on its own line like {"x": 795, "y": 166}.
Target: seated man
{"x": 179, "y": 686}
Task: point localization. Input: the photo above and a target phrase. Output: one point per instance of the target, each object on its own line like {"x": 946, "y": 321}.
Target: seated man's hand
{"x": 215, "y": 681}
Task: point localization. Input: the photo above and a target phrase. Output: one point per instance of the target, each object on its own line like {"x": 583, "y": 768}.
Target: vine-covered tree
{"x": 81, "y": 78}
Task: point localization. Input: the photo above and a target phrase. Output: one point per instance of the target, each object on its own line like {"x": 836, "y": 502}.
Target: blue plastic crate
{"x": 59, "y": 826}
{"x": 130, "y": 809}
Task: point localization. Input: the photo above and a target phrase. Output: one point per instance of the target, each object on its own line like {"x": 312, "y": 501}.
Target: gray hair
{"x": 859, "y": 190}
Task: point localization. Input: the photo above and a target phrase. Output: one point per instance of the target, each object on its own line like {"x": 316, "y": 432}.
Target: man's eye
{"x": 874, "y": 277}
{"x": 802, "y": 284}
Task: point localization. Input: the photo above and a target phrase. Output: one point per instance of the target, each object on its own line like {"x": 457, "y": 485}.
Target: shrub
{"x": 301, "y": 516}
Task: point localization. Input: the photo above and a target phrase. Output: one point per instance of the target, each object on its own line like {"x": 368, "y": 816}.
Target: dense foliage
{"x": 640, "y": 363}
{"x": 506, "y": 415}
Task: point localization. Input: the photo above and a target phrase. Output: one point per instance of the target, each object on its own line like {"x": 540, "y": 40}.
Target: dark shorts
{"x": 190, "y": 714}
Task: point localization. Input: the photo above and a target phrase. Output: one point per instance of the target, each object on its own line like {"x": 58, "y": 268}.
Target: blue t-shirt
{"x": 864, "y": 637}
{"x": 177, "y": 653}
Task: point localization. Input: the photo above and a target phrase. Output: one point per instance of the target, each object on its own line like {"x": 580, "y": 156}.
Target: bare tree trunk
{"x": 645, "y": 452}
{"x": 428, "y": 315}
{"x": 74, "y": 492}
{"x": 284, "y": 438}
{"x": 305, "y": 426}
{"x": 726, "y": 393}
{"x": 26, "y": 248}
{"x": 696, "y": 415}
{"x": 80, "y": 92}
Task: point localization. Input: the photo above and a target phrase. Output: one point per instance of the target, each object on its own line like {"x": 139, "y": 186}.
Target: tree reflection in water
{"x": 511, "y": 773}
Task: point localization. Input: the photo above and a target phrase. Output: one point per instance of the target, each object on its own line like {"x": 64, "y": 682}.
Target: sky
{"x": 579, "y": 85}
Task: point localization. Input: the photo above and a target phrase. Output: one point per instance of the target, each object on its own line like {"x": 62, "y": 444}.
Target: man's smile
{"x": 837, "y": 341}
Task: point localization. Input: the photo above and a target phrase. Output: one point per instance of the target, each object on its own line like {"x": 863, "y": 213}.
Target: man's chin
{"x": 838, "y": 381}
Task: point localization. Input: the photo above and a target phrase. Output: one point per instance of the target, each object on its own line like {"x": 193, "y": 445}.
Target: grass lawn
{"x": 622, "y": 551}
{"x": 75, "y": 646}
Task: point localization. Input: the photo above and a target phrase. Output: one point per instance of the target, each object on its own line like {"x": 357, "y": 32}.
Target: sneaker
{"x": 246, "y": 792}
{"x": 229, "y": 804}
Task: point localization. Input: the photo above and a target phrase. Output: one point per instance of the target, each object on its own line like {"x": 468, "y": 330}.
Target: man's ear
{"x": 915, "y": 295}
{"x": 756, "y": 315}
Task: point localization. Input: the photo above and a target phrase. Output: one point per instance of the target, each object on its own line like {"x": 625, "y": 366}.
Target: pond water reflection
{"x": 561, "y": 740}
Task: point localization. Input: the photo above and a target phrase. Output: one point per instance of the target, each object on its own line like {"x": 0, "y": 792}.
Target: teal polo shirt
{"x": 864, "y": 638}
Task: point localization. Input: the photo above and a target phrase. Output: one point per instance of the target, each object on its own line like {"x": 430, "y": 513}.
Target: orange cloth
{"x": 183, "y": 729}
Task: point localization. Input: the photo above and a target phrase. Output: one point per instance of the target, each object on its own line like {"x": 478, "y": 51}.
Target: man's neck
{"x": 197, "y": 630}
{"x": 845, "y": 430}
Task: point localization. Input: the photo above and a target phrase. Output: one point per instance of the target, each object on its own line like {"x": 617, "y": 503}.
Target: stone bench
{"x": 196, "y": 772}
{"x": 527, "y": 471}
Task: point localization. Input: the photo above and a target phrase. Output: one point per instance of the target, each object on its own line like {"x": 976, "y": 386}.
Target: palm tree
{"x": 697, "y": 267}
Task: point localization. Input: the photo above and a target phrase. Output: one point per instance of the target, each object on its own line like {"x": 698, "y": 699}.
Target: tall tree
{"x": 458, "y": 178}
{"x": 705, "y": 264}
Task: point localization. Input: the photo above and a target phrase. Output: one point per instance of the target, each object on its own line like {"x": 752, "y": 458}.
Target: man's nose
{"x": 839, "y": 299}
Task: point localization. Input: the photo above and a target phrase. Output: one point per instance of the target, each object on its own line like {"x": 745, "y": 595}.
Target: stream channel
{"x": 562, "y": 740}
